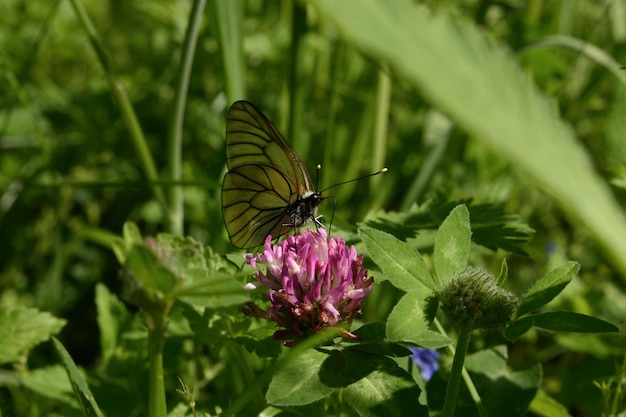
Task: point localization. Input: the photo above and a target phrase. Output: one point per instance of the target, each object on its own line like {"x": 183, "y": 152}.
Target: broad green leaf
{"x": 432, "y": 340}
{"x": 81, "y": 390}
{"x": 216, "y": 290}
{"x": 452, "y": 245}
{"x": 298, "y": 382}
{"x": 566, "y": 321}
{"x": 403, "y": 265}
{"x": 51, "y": 382}
{"x": 547, "y": 287}
{"x": 406, "y": 323}
{"x": 492, "y": 226}
{"x": 517, "y": 328}
{"x": 347, "y": 366}
{"x": 406, "y": 320}
{"x": 559, "y": 321}
{"x": 385, "y": 390}
{"x": 23, "y": 328}
{"x": 479, "y": 85}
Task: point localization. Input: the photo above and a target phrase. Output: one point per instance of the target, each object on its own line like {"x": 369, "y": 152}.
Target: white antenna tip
{"x": 384, "y": 170}
{"x": 319, "y": 166}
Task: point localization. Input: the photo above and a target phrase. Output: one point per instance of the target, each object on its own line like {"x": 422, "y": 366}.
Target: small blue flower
{"x": 425, "y": 360}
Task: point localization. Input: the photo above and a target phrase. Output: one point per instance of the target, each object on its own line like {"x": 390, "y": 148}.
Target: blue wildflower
{"x": 425, "y": 360}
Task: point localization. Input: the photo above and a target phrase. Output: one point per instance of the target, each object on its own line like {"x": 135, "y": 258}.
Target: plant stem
{"x": 454, "y": 382}
{"x": 126, "y": 108}
{"x": 174, "y": 134}
{"x": 480, "y": 407}
{"x": 157, "y": 323}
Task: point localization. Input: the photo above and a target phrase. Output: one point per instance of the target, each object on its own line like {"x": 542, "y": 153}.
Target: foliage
{"x": 501, "y": 124}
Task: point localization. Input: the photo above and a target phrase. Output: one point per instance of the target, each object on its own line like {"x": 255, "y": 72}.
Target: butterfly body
{"x": 267, "y": 190}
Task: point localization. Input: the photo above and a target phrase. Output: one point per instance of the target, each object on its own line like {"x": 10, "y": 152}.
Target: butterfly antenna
{"x": 317, "y": 176}
{"x": 381, "y": 171}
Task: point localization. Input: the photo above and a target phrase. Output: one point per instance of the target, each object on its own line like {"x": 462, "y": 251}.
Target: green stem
{"x": 454, "y": 382}
{"x": 126, "y": 108}
{"x": 157, "y": 323}
{"x": 174, "y": 134}
{"x": 480, "y": 407}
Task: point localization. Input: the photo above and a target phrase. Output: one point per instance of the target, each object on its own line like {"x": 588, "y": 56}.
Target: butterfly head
{"x": 304, "y": 209}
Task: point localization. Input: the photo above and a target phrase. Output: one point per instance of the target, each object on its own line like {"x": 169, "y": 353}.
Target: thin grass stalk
{"x": 381, "y": 125}
{"x": 226, "y": 17}
{"x": 331, "y": 133}
{"x": 357, "y": 145}
{"x": 126, "y": 108}
{"x": 175, "y": 129}
{"x": 297, "y": 81}
{"x": 432, "y": 161}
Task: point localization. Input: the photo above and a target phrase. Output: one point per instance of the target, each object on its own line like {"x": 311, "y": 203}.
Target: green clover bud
{"x": 473, "y": 300}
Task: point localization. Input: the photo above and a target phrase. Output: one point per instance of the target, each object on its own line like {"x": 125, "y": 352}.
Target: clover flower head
{"x": 313, "y": 282}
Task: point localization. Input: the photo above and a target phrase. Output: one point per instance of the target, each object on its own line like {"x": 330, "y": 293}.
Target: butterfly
{"x": 267, "y": 189}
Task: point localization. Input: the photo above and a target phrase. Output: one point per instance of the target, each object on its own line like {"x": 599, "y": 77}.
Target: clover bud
{"x": 473, "y": 300}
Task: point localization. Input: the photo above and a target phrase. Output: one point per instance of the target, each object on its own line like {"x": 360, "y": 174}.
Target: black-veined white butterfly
{"x": 267, "y": 189}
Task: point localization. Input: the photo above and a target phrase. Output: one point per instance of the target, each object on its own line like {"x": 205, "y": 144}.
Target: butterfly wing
{"x": 265, "y": 178}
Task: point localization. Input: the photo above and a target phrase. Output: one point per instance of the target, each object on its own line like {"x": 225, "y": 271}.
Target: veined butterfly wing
{"x": 267, "y": 190}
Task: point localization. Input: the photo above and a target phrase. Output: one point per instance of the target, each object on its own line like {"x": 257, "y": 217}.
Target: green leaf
{"x": 51, "y": 382}
{"x": 217, "y": 290}
{"x": 452, "y": 245}
{"x": 112, "y": 316}
{"x": 565, "y": 321}
{"x": 144, "y": 266}
{"x": 504, "y": 272}
{"x": 406, "y": 323}
{"x": 375, "y": 385}
{"x": 118, "y": 246}
{"x": 131, "y": 234}
{"x": 492, "y": 226}
{"x": 479, "y": 85}
{"x": 547, "y": 287}
{"x": 81, "y": 390}
{"x": 298, "y": 381}
{"x": 545, "y": 406}
{"x": 517, "y": 328}
{"x": 403, "y": 265}
{"x": 23, "y": 328}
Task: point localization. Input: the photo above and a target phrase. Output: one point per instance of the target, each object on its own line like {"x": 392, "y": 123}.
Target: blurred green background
{"x": 70, "y": 175}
